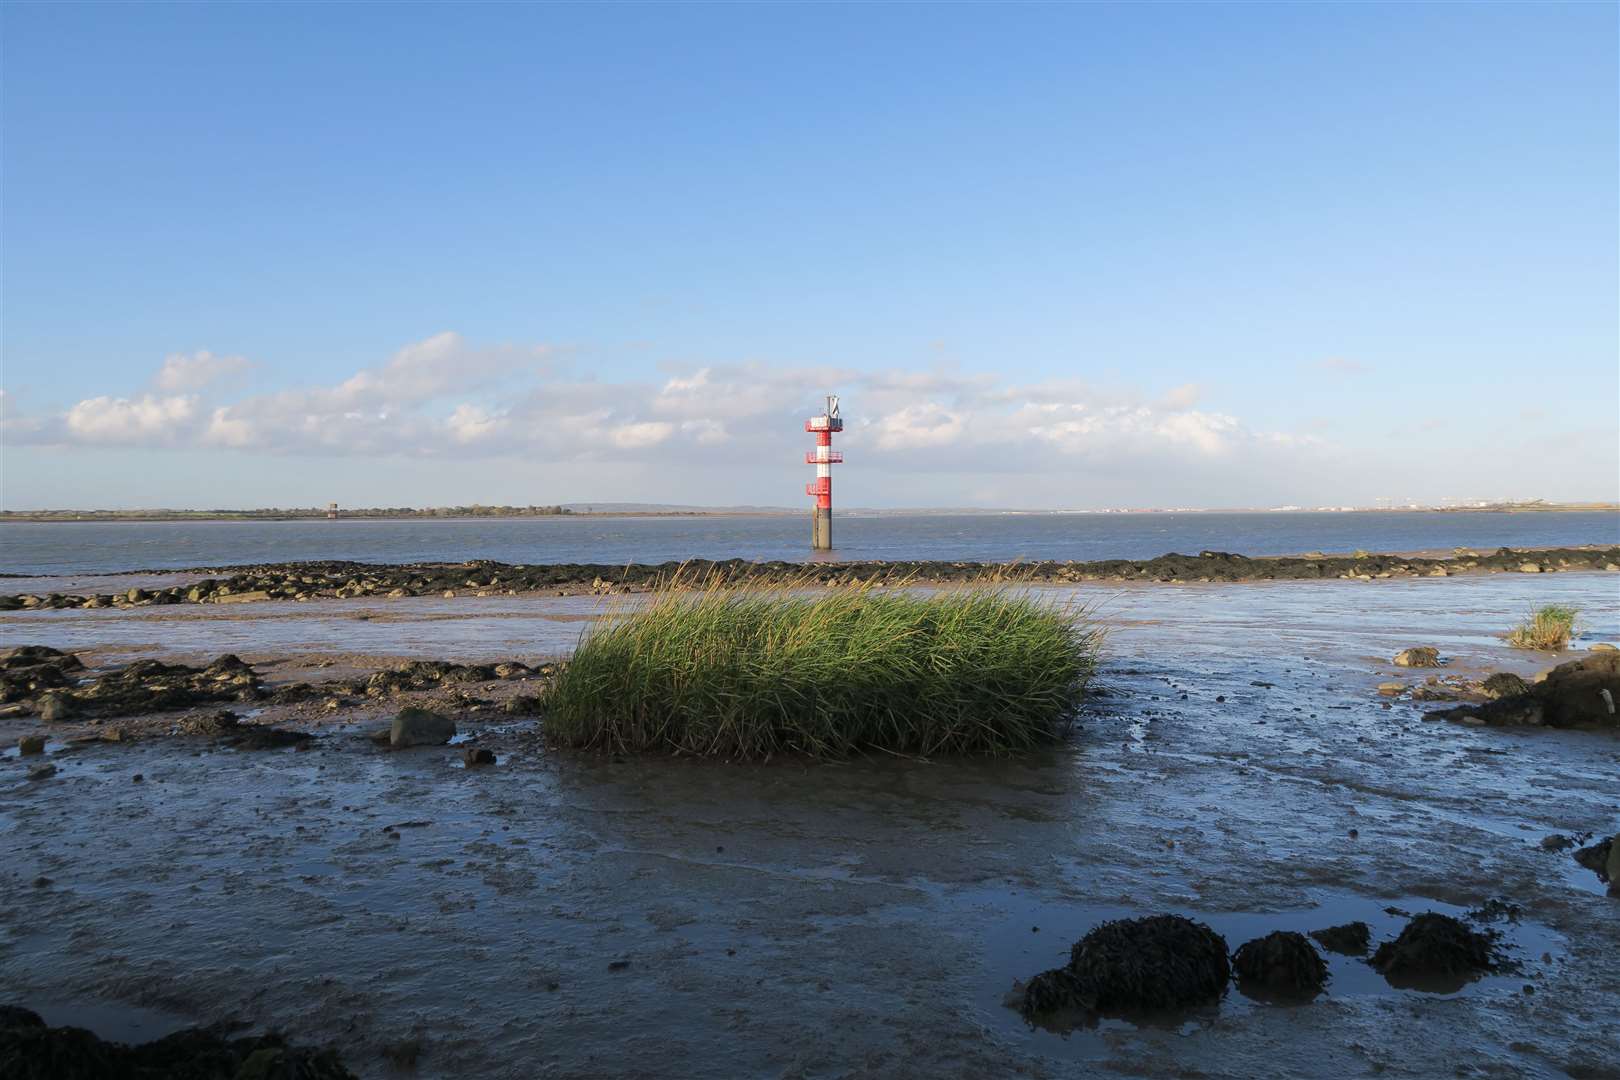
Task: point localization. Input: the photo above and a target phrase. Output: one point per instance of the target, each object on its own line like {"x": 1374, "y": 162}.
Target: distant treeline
{"x": 276, "y": 513}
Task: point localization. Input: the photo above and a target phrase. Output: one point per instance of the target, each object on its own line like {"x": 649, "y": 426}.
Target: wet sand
{"x": 573, "y": 916}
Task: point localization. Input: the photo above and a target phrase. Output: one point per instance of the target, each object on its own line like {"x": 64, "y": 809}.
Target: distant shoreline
{"x": 527, "y": 513}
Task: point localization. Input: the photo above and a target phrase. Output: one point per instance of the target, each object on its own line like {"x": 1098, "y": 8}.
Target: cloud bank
{"x": 443, "y": 398}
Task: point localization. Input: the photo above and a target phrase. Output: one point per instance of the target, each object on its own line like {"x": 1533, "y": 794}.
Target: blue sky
{"x": 1079, "y": 255}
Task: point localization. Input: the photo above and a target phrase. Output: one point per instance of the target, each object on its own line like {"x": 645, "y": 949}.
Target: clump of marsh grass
{"x": 736, "y": 672}
{"x": 1548, "y": 627}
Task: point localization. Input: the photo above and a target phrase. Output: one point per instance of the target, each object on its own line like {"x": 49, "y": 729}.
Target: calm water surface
{"x": 91, "y": 547}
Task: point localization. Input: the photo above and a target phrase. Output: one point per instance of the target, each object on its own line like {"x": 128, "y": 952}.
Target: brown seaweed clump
{"x": 31, "y": 1050}
{"x": 1435, "y": 952}
{"x": 1282, "y": 966}
{"x": 1350, "y": 939}
{"x": 1136, "y": 965}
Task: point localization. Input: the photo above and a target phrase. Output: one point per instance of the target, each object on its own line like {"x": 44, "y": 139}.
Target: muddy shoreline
{"x": 346, "y": 580}
{"x": 586, "y": 915}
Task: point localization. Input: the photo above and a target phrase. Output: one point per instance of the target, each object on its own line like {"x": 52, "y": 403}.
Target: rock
{"x": 1350, "y": 939}
{"x": 55, "y": 707}
{"x": 1612, "y": 864}
{"x": 1283, "y": 966}
{"x": 1600, "y": 859}
{"x": 1392, "y": 689}
{"x": 478, "y": 756}
{"x": 1580, "y": 693}
{"x": 42, "y": 772}
{"x": 382, "y": 736}
{"x": 242, "y": 597}
{"x": 30, "y": 1050}
{"x": 1604, "y": 646}
{"x": 1503, "y": 684}
{"x": 1422, "y": 656}
{"x": 1435, "y": 951}
{"x": 420, "y": 727}
{"x": 1529, "y": 568}
{"x": 1557, "y": 842}
{"x": 1154, "y": 963}
{"x": 31, "y": 744}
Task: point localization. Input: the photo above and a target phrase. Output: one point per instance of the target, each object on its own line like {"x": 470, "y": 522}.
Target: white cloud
{"x": 146, "y": 419}
{"x": 642, "y": 435}
{"x": 442, "y": 397}
{"x": 181, "y": 373}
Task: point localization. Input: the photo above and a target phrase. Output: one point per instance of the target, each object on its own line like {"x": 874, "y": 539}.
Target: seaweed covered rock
{"x": 1350, "y": 939}
{"x": 1136, "y": 965}
{"x": 1503, "y": 684}
{"x": 32, "y": 1050}
{"x": 1583, "y": 693}
{"x": 1435, "y": 951}
{"x": 1282, "y": 966}
{"x": 1603, "y": 859}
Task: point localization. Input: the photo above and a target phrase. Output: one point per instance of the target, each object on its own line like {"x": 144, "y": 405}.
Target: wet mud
{"x": 580, "y": 916}
{"x": 345, "y": 580}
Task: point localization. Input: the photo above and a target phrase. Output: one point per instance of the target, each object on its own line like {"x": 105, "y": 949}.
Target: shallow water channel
{"x": 566, "y": 916}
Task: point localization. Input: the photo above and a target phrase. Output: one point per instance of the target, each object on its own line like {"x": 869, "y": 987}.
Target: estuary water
{"x": 107, "y": 547}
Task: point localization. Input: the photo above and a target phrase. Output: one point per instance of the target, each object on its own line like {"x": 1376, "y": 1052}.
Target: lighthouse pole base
{"x": 821, "y": 530}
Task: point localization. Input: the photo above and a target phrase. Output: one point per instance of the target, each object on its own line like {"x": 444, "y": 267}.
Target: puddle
{"x": 113, "y": 1021}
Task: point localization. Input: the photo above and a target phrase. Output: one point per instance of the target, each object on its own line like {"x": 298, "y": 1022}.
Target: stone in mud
{"x": 42, "y": 772}
{"x": 31, "y": 744}
{"x": 1503, "y": 684}
{"x": 1580, "y": 693}
{"x": 1557, "y": 842}
{"x": 54, "y": 707}
{"x": 478, "y": 756}
{"x": 1602, "y": 858}
{"x": 1604, "y": 646}
{"x": 1435, "y": 949}
{"x": 1391, "y": 689}
{"x": 420, "y": 727}
{"x": 1283, "y": 966}
{"x": 1350, "y": 939}
{"x": 1422, "y": 656}
{"x": 1055, "y": 991}
{"x": 1159, "y": 962}
{"x": 31, "y": 1050}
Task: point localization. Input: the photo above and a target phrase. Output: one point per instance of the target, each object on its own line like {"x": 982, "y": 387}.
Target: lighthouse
{"x": 823, "y": 457}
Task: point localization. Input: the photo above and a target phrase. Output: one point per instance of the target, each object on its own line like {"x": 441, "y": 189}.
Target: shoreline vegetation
{"x": 710, "y": 669}
{"x": 345, "y": 580}
{"x": 408, "y": 513}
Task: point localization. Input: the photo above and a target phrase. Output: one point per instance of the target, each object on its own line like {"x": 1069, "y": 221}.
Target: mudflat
{"x": 565, "y": 914}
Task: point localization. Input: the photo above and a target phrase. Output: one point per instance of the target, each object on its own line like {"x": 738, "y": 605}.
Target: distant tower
{"x": 331, "y": 511}
{"x": 823, "y": 457}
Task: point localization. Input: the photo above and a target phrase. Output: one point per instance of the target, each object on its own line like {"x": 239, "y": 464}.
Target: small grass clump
{"x": 1549, "y": 628}
{"x": 752, "y": 672}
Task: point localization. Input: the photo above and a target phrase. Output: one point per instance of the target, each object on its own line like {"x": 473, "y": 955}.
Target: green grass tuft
{"x": 1549, "y": 627}
{"x": 749, "y": 673}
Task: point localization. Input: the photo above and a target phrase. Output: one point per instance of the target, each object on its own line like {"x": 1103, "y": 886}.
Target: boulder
{"x": 1282, "y": 966}
{"x": 1503, "y": 684}
{"x": 420, "y": 727}
{"x": 1422, "y": 656}
{"x": 1350, "y": 939}
{"x": 1435, "y": 951}
{"x": 1580, "y": 693}
{"x": 55, "y": 707}
{"x": 1160, "y": 962}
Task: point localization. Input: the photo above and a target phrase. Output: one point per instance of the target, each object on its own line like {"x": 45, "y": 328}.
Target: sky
{"x": 1050, "y": 256}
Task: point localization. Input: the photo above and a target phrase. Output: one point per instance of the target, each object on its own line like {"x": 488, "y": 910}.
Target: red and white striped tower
{"x": 823, "y": 457}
